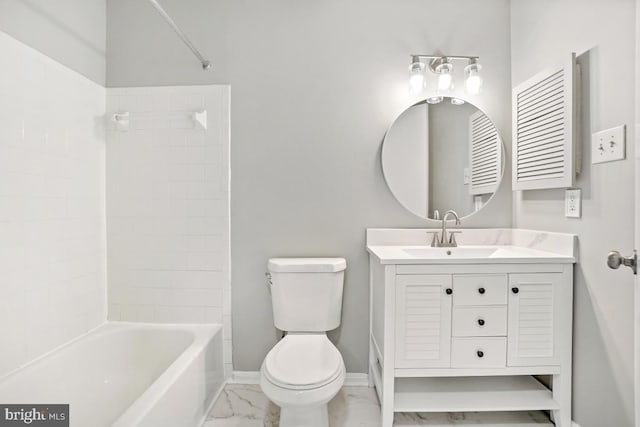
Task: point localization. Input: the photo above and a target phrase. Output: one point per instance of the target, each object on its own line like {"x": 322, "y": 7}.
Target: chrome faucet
{"x": 443, "y": 241}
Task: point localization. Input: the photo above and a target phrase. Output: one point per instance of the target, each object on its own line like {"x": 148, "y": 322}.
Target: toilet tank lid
{"x": 307, "y": 265}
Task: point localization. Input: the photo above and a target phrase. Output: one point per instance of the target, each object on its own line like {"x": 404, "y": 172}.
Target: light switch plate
{"x": 608, "y": 145}
{"x": 573, "y": 203}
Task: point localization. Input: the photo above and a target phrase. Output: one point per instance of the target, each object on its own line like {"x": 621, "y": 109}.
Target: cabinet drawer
{"x": 489, "y": 289}
{"x": 481, "y": 321}
{"x": 479, "y": 352}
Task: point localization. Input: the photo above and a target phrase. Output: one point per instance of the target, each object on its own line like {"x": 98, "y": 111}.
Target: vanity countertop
{"x": 476, "y": 246}
{"x": 465, "y": 255}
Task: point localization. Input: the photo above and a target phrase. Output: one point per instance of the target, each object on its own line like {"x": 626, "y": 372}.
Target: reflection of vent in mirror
{"x": 485, "y": 155}
{"x": 442, "y": 156}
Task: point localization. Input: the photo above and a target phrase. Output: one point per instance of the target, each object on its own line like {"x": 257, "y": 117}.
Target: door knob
{"x": 615, "y": 260}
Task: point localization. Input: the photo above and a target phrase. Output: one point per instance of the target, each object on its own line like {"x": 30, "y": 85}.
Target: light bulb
{"x": 473, "y": 81}
{"x": 435, "y": 100}
{"x": 443, "y": 68}
{"x": 416, "y": 76}
{"x": 457, "y": 101}
{"x": 416, "y": 83}
{"x": 444, "y": 80}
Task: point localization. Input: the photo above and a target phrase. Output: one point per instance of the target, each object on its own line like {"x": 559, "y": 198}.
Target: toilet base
{"x": 304, "y": 416}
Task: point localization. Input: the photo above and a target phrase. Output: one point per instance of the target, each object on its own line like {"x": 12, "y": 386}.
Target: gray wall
{"x": 73, "y": 32}
{"x": 542, "y": 32}
{"x": 314, "y": 86}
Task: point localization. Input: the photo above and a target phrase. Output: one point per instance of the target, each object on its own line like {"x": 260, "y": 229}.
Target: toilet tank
{"x": 306, "y": 293}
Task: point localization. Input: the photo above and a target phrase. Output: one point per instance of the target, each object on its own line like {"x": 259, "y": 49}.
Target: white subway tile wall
{"x": 168, "y": 207}
{"x": 52, "y": 228}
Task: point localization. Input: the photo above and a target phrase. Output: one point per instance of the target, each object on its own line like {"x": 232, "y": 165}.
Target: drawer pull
{"x": 480, "y": 354}
{"x": 515, "y": 290}
{"x": 449, "y": 291}
{"x": 481, "y": 322}
{"x": 481, "y": 291}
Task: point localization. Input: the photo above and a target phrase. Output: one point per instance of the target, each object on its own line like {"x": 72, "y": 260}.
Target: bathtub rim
{"x": 202, "y": 334}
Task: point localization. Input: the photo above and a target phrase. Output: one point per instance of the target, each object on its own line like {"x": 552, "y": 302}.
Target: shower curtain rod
{"x": 205, "y": 63}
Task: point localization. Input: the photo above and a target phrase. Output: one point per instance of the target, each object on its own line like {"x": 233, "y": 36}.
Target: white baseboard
{"x": 356, "y": 379}
{"x": 244, "y": 377}
{"x": 253, "y": 377}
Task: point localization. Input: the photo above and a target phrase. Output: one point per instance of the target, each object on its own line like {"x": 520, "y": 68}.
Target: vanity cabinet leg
{"x": 388, "y": 397}
{"x": 562, "y": 395}
{"x": 387, "y": 414}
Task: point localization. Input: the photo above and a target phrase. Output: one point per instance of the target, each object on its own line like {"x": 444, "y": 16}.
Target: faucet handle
{"x": 434, "y": 241}
{"x": 452, "y": 237}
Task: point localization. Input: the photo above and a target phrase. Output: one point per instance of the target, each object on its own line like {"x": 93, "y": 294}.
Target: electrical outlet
{"x": 573, "y": 203}
{"x": 608, "y": 145}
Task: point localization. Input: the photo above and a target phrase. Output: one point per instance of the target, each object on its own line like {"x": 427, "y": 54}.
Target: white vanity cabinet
{"x": 471, "y": 336}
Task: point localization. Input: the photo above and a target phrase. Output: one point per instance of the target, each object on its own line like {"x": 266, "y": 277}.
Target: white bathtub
{"x": 127, "y": 374}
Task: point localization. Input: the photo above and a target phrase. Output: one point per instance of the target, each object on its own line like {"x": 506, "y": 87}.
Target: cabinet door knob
{"x": 515, "y": 290}
{"x": 481, "y": 291}
{"x": 449, "y": 291}
{"x": 480, "y": 353}
{"x": 481, "y": 322}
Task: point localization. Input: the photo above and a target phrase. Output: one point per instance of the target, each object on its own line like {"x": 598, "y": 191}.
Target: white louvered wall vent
{"x": 485, "y": 155}
{"x": 544, "y": 129}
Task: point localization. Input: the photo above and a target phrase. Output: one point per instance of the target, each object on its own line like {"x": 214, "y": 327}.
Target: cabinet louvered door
{"x": 532, "y": 319}
{"x": 544, "y": 130}
{"x": 423, "y": 321}
{"x": 485, "y": 155}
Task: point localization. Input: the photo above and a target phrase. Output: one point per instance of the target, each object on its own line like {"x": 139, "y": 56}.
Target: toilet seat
{"x": 303, "y": 362}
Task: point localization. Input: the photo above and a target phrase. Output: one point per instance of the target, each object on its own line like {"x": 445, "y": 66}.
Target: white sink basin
{"x": 476, "y": 246}
{"x": 457, "y": 252}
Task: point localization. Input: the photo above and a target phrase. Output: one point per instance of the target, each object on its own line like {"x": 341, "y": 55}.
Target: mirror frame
{"x": 423, "y": 99}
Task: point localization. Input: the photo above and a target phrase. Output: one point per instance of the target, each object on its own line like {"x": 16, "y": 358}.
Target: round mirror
{"x": 442, "y": 154}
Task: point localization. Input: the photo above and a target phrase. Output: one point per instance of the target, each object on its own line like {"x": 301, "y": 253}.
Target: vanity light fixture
{"x": 442, "y": 67}
{"x": 457, "y": 101}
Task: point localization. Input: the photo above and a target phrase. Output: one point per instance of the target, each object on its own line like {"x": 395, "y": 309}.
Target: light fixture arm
{"x": 421, "y": 56}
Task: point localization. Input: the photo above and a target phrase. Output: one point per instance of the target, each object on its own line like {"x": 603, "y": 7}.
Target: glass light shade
{"x": 444, "y": 81}
{"x": 457, "y": 101}
{"x": 473, "y": 81}
{"x": 435, "y": 100}
{"x": 416, "y": 83}
{"x": 416, "y": 77}
{"x": 445, "y": 76}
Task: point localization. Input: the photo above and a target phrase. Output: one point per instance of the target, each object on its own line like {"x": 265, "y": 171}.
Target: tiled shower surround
{"x": 145, "y": 211}
{"x": 52, "y": 245}
{"x": 167, "y": 207}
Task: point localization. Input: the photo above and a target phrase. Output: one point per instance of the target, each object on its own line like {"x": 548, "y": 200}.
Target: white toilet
{"x": 304, "y": 371}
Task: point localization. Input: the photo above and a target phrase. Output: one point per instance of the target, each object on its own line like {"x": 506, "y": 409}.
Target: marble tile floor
{"x": 242, "y": 405}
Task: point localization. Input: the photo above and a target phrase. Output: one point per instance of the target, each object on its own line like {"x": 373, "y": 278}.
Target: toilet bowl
{"x": 301, "y": 374}
{"x": 304, "y": 370}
